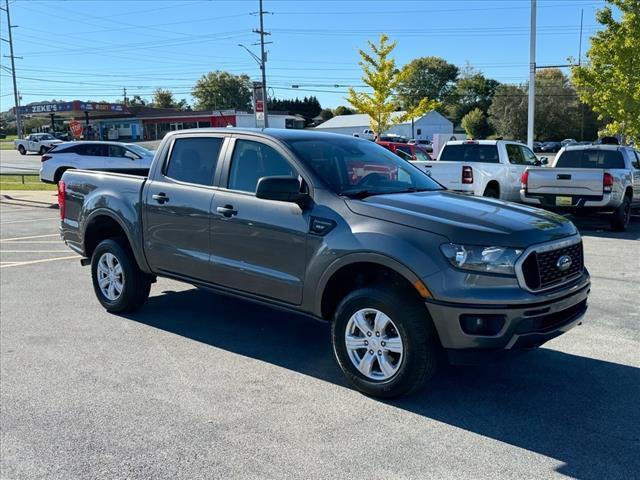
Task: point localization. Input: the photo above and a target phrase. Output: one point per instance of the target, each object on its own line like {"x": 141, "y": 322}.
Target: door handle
{"x": 160, "y": 197}
{"x": 227, "y": 211}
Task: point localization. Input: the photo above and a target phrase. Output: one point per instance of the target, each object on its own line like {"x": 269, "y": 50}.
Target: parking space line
{"x": 58, "y": 242}
{"x": 22, "y": 264}
{"x": 30, "y": 220}
{"x": 33, "y": 251}
{"x": 28, "y": 238}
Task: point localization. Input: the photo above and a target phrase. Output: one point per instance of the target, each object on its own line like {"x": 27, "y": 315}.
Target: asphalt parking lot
{"x": 200, "y": 386}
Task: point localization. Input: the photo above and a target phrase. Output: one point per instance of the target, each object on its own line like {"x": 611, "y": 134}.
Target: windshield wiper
{"x": 360, "y": 194}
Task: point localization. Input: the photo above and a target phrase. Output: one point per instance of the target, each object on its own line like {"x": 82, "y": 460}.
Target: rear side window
{"x": 470, "y": 152}
{"x": 194, "y": 160}
{"x": 92, "y": 150}
{"x": 590, "y": 159}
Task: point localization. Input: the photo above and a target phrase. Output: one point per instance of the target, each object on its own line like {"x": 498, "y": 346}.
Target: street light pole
{"x": 16, "y": 95}
{"x": 532, "y": 77}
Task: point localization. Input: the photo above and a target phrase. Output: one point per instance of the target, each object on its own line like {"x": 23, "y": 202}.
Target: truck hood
{"x": 465, "y": 219}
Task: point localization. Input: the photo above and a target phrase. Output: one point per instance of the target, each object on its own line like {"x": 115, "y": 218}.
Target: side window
{"x": 529, "y": 157}
{"x": 514, "y": 154}
{"x": 419, "y": 131}
{"x": 253, "y": 160}
{"x": 404, "y": 153}
{"x": 116, "y": 151}
{"x": 94, "y": 150}
{"x": 194, "y": 160}
{"x": 637, "y": 162}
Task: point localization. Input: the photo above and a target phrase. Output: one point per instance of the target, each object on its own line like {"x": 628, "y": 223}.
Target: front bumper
{"x": 526, "y": 325}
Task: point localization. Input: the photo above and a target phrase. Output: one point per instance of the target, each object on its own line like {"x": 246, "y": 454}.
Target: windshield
{"x": 139, "y": 150}
{"x": 45, "y": 136}
{"x": 422, "y": 155}
{"x": 360, "y": 168}
{"x": 594, "y": 158}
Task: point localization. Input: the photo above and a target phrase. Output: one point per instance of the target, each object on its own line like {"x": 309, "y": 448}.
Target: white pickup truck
{"x": 36, "y": 142}
{"x": 585, "y": 179}
{"x": 489, "y": 168}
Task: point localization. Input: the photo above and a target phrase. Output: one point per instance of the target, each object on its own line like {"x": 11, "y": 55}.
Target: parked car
{"x": 36, "y": 142}
{"x": 550, "y": 147}
{"x": 392, "y": 137}
{"x": 305, "y": 221}
{"x": 485, "y": 168}
{"x": 537, "y": 146}
{"x": 409, "y": 151}
{"x": 62, "y": 136}
{"x": 367, "y": 134}
{"x": 568, "y": 141}
{"x": 104, "y": 156}
{"x": 585, "y": 179}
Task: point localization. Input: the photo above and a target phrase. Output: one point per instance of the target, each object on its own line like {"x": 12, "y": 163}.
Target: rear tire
{"x": 410, "y": 355}
{"x": 491, "y": 192}
{"x": 22, "y": 150}
{"x": 43, "y": 150}
{"x": 621, "y": 217}
{"x": 118, "y": 282}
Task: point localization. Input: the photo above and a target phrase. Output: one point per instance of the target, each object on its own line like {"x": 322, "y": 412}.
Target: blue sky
{"x": 91, "y": 49}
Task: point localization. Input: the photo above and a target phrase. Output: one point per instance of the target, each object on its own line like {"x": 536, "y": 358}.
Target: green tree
{"x": 308, "y": 107}
{"x": 342, "y": 110}
{"x": 475, "y": 124}
{"x": 610, "y": 80}
{"x": 137, "y": 101}
{"x": 426, "y": 77}
{"x": 559, "y": 113}
{"x": 380, "y": 73}
{"x": 326, "y": 114}
{"x": 472, "y": 90}
{"x": 220, "y": 90}
{"x": 164, "y": 99}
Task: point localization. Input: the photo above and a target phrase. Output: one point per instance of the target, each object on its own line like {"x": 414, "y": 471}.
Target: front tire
{"x": 22, "y": 150}
{"x": 118, "y": 282}
{"x": 622, "y": 216}
{"x": 384, "y": 341}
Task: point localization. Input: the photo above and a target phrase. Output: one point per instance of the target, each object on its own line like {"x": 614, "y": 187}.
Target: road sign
{"x": 259, "y": 106}
{"x": 76, "y": 128}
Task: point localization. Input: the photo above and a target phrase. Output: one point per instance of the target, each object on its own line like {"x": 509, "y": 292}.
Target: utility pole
{"x": 263, "y": 62}
{"x": 532, "y": 77}
{"x": 16, "y": 96}
{"x": 124, "y": 95}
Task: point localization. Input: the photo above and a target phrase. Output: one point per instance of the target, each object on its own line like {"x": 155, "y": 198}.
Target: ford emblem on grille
{"x": 564, "y": 262}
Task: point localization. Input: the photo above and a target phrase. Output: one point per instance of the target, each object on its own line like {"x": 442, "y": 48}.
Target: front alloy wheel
{"x": 373, "y": 344}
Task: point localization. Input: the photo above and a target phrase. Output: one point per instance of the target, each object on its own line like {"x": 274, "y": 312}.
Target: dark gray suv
{"x": 340, "y": 229}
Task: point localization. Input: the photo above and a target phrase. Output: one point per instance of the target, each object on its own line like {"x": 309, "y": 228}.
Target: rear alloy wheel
{"x": 384, "y": 341}
{"x": 622, "y": 216}
{"x": 118, "y": 282}
{"x": 22, "y": 150}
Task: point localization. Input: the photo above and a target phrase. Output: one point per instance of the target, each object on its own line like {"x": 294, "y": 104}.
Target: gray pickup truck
{"x": 342, "y": 230}
{"x": 584, "y": 179}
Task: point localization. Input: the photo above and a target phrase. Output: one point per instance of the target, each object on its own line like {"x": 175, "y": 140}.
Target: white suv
{"x": 105, "y": 156}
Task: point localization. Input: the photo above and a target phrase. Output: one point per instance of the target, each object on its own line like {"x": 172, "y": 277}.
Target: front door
{"x": 258, "y": 246}
{"x": 178, "y": 208}
{"x": 511, "y": 191}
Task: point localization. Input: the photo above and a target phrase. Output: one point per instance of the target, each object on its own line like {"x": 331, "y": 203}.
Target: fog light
{"x": 480, "y": 324}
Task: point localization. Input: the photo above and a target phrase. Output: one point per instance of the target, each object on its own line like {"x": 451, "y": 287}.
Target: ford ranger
{"x": 339, "y": 229}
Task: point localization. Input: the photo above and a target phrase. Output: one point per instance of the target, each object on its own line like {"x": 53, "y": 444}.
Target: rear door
{"x": 178, "y": 207}
{"x": 258, "y": 246}
{"x": 88, "y": 156}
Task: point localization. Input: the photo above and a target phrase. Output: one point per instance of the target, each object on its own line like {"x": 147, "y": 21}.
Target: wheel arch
{"x": 358, "y": 270}
{"x": 103, "y": 224}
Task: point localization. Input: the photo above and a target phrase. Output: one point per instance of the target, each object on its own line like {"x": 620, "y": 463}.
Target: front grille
{"x": 541, "y": 271}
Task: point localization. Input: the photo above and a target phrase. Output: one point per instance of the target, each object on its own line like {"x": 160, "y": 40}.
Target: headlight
{"x": 481, "y": 259}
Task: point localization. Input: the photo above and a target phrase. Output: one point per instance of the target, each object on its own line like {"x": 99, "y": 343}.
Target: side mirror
{"x": 544, "y": 161}
{"x": 282, "y": 189}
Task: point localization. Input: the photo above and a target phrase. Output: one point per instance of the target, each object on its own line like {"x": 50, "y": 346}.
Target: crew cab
{"x": 339, "y": 229}
{"x": 104, "y": 156}
{"x": 486, "y": 168}
{"x": 36, "y": 142}
{"x": 587, "y": 179}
